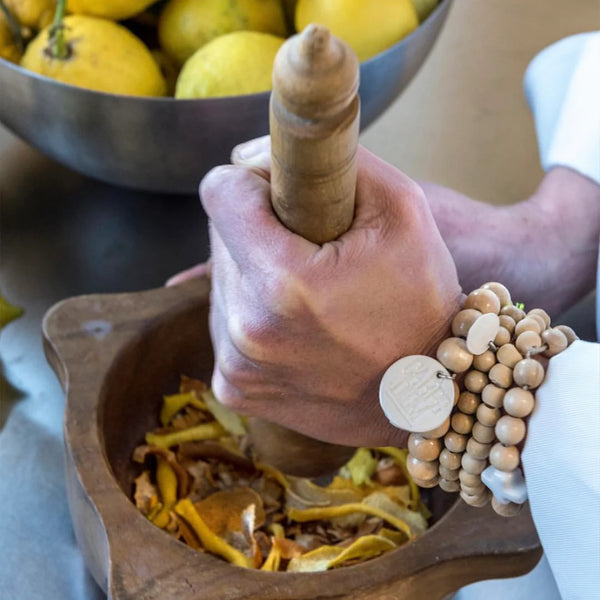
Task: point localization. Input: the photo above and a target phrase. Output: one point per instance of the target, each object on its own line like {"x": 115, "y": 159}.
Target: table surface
{"x": 463, "y": 122}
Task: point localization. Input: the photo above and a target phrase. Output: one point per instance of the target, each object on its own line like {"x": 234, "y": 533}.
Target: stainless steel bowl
{"x": 167, "y": 145}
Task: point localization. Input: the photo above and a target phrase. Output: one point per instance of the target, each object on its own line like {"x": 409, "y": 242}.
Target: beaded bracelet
{"x": 479, "y": 417}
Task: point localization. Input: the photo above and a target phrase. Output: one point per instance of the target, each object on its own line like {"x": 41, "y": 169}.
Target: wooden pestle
{"x": 314, "y": 120}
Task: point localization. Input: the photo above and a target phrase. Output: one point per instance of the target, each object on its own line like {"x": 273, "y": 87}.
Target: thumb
{"x": 255, "y": 154}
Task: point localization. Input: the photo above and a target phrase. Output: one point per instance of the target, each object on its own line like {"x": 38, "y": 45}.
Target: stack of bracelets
{"x": 486, "y": 379}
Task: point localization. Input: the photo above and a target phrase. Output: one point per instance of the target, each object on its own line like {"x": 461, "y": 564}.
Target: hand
{"x": 303, "y": 333}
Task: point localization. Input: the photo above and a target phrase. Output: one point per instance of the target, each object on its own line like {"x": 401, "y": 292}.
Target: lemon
{"x": 103, "y": 56}
{"x": 232, "y": 64}
{"x": 424, "y": 8}
{"x": 369, "y": 27}
{"x": 186, "y": 25}
{"x": 32, "y": 13}
{"x": 8, "y": 312}
{"x": 108, "y": 9}
{"x": 8, "y": 47}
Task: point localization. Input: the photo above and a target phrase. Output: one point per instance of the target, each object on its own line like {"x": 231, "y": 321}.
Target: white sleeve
{"x": 561, "y": 461}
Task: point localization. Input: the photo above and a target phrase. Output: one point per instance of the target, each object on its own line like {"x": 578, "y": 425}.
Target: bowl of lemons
{"x": 151, "y": 94}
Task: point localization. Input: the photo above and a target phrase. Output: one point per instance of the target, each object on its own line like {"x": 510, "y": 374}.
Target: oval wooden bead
{"x": 453, "y": 354}
{"x": 510, "y": 509}
{"x": 462, "y": 423}
{"x": 569, "y": 333}
{"x": 500, "y": 290}
{"x": 512, "y": 311}
{"x": 528, "y": 373}
{"x": 528, "y": 324}
{"x": 504, "y": 458}
{"x": 473, "y": 465}
{"x": 427, "y": 483}
{"x": 556, "y": 341}
{"x": 527, "y": 341}
{"x": 449, "y": 486}
{"x": 475, "y": 381}
{"x": 468, "y": 402}
{"x": 493, "y": 395}
{"x": 476, "y": 501}
{"x": 488, "y": 416}
{"x": 484, "y": 433}
{"x": 463, "y": 320}
{"x": 518, "y": 402}
{"x": 438, "y": 432}
{"x": 501, "y": 375}
{"x": 473, "y": 490}
{"x": 484, "y": 301}
{"x": 541, "y": 313}
{"x": 510, "y": 431}
{"x": 469, "y": 479}
{"x": 484, "y": 362}
{"x": 456, "y": 393}
{"x": 448, "y": 474}
{"x": 477, "y": 449}
{"x": 450, "y": 460}
{"x": 421, "y": 469}
{"x": 455, "y": 442}
{"x": 508, "y": 323}
{"x": 502, "y": 337}
{"x": 424, "y": 448}
{"x": 508, "y": 355}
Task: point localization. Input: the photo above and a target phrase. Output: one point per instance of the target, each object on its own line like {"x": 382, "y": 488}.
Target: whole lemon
{"x": 102, "y": 56}
{"x": 8, "y": 47}
{"x": 230, "y": 65}
{"x": 32, "y": 13}
{"x": 368, "y": 27}
{"x": 108, "y": 9}
{"x": 186, "y": 25}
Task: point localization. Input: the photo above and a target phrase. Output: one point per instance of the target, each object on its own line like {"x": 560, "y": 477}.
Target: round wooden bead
{"x": 484, "y": 433}
{"x": 475, "y": 381}
{"x": 508, "y": 323}
{"x": 556, "y": 341}
{"x": 540, "y": 321}
{"x": 528, "y": 373}
{"x": 512, "y": 311}
{"x": 424, "y": 448}
{"x": 469, "y": 479}
{"x": 473, "y": 491}
{"x": 453, "y": 354}
{"x": 569, "y": 333}
{"x": 477, "y": 501}
{"x": 421, "y": 469}
{"x": 468, "y": 402}
{"x": 449, "y": 486}
{"x": 427, "y": 483}
{"x": 502, "y": 337}
{"x": 484, "y": 362}
{"x": 510, "y": 431}
{"x": 488, "y": 416}
{"x": 501, "y": 375}
{"x": 527, "y": 341}
{"x": 449, "y": 474}
{"x": 462, "y": 423}
{"x": 438, "y": 432}
{"x": 508, "y": 355}
{"x": 540, "y": 312}
{"x": 450, "y": 460}
{"x": 504, "y": 458}
{"x": 463, "y": 320}
{"x": 484, "y": 301}
{"x": 473, "y": 465}
{"x": 477, "y": 449}
{"x": 493, "y": 395}
{"x": 500, "y": 290}
{"x": 528, "y": 324}
{"x": 456, "y": 393}
{"x": 455, "y": 442}
{"x": 510, "y": 509}
{"x": 518, "y": 402}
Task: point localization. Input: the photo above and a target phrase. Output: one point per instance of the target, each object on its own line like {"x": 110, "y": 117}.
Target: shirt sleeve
{"x": 561, "y": 461}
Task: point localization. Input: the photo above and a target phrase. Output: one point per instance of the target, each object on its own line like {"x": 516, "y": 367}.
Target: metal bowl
{"x": 167, "y": 145}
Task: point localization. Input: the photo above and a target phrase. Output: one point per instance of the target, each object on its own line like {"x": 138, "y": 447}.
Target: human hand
{"x": 303, "y": 333}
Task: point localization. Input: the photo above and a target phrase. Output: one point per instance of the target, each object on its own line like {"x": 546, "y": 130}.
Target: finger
{"x": 201, "y": 270}
{"x": 255, "y": 154}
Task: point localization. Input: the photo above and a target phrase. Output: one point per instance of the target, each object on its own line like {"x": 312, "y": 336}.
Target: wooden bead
{"x": 455, "y": 442}
{"x": 477, "y": 449}
{"x": 462, "y": 423}
{"x": 475, "y": 381}
{"x": 463, "y": 320}
{"x": 508, "y": 355}
{"x": 502, "y": 337}
{"x": 453, "y": 354}
{"x": 504, "y": 458}
{"x": 473, "y": 465}
{"x": 484, "y": 362}
{"x": 518, "y": 402}
{"x": 424, "y": 448}
{"x": 569, "y": 333}
{"x": 508, "y": 323}
{"x": 528, "y": 324}
{"x": 509, "y": 509}
{"x": 427, "y": 483}
{"x": 484, "y": 301}
{"x": 477, "y": 490}
{"x": 468, "y": 402}
{"x": 456, "y": 393}
{"x": 540, "y": 312}
{"x": 527, "y": 341}
{"x": 540, "y": 321}
{"x": 510, "y": 431}
{"x": 493, "y": 395}
{"x": 449, "y": 486}
{"x": 528, "y": 373}
{"x": 477, "y": 501}
{"x": 438, "y": 432}
{"x": 421, "y": 469}
{"x": 484, "y": 433}
{"x": 448, "y": 474}
{"x": 501, "y": 375}
{"x": 450, "y": 460}
{"x": 512, "y": 311}
{"x": 488, "y": 416}
{"x": 469, "y": 479}
{"x": 556, "y": 341}
{"x": 500, "y": 290}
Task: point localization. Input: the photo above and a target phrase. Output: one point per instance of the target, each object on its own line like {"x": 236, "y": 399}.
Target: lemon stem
{"x": 15, "y": 30}
{"x": 58, "y": 44}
